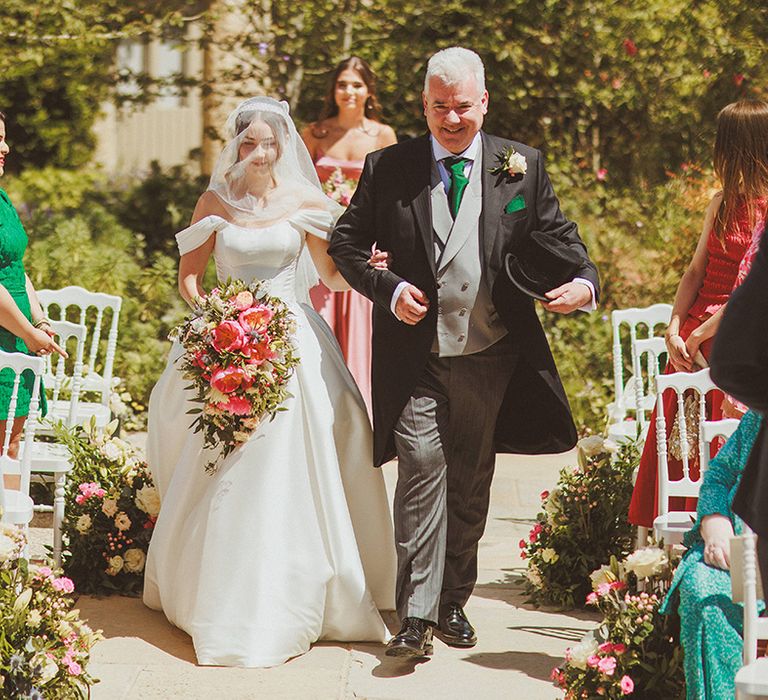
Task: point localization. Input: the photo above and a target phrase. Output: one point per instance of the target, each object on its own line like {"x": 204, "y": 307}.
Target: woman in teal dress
{"x": 23, "y": 327}
{"x": 710, "y": 622}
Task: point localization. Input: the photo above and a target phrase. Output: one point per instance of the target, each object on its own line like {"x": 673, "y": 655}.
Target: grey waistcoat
{"x": 467, "y": 321}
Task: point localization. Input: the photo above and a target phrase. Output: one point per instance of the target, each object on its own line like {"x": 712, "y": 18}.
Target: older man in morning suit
{"x": 461, "y": 366}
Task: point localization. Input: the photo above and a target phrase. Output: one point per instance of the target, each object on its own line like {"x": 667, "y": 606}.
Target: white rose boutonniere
{"x": 510, "y": 162}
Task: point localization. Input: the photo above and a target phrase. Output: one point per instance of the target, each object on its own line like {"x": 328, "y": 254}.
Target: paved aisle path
{"x": 144, "y": 658}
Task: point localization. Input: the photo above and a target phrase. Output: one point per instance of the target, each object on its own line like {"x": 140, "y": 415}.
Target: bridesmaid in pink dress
{"x": 348, "y": 129}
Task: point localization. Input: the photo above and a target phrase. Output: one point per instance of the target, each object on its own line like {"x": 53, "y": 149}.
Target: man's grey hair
{"x": 452, "y": 65}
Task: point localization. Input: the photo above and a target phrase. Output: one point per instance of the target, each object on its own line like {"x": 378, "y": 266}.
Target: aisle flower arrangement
{"x": 582, "y": 523}
{"x": 238, "y": 357}
{"x": 635, "y": 650}
{"x": 44, "y": 645}
{"x": 111, "y": 509}
{"x": 340, "y": 188}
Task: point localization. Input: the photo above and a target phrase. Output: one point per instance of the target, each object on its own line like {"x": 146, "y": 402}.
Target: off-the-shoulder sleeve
{"x": 318, "y": 222}
{"x": 198, "y": 233}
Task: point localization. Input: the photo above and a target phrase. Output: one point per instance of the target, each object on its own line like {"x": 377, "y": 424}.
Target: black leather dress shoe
{"x": 413, "y": 639}
{"x": 454, "y": 628}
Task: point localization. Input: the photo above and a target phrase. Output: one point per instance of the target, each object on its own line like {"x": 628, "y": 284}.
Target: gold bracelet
{"x": 42, "y": 322}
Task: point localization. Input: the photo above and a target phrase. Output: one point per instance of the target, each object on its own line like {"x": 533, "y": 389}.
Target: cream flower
{"x": 114, "y": 565}
{"x": 549, "y": 555}
{"x": 83, "y": 524}
{"x": 148, "y": 499}
{"x": 592, "y": 445}
{"x": 34, "y": 618}
{"x": 516, "y": 164}
{"x": 112, "y": 452}
{"x": 578, "y": 655}
{"x": 646, "y": 562}
{"x": 533, "y": 576}
{"x": 122, "y": 521}
{"x": 553, "y": 504}
{"x": 109, "y": 507}
{"x": 134, "y": 561}
{"x": 601, "y": 575}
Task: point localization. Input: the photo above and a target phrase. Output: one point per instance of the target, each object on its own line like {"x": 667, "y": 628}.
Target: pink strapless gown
{"x": 347, "y": 313}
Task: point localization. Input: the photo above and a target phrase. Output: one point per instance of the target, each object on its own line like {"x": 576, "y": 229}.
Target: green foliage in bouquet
{"x": 635, "y": 650}
{"x": 582, "y": 524}
{"x": 111, "y": 507}
{"x": 44, "y": 645}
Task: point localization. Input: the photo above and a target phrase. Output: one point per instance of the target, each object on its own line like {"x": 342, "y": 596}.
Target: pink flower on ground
{"x": 603, "y": 589}
{"x": 74, "y": 668}
{"x": 80, "y": 499}
{"x": 601, "y": 174}
{"x": 228, "y": 379}
{"x": 63, "y": 584}
{"x": 592, "y": 598}
{"x": 236, "y": 406}
{"x": 228, "y": 336}
{"x": 607, "y": 665}
{"x": 256, "y": 318}
{"x": 243, "y": 300}
{"x": 44, "y": 572}
{"x": 627, "y": 685}
{"x": 522, "y": 544}
{"x": 593, "y": 661}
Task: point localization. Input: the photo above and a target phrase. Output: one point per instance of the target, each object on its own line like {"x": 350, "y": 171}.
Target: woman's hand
{"x": 716, "y": 531}
{"x": 679, "y": 356}
{"x": 380, "y": 259}
{"x": 41, "y": 343}
{"x": 693, "y": 345}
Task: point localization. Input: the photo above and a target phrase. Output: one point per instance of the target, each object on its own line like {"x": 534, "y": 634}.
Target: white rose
{"x": 592, "y": 445}
{"x": 134, "y": 561}
{"x": 610, "y": 446}
{"x": 549, "y": 555}
{"x": 34, "y": 618}
{"x": 602, "y": 575}
{"x": 122, "y": 521}
{"x": 577, "y": 656}
{"x": 148, "y": 499}
{"x": 553, "y": 504}
{"x": 83, "y": 524}
{"x": 114, "y": 565}
{"x": 109, "y": 507}
{"x": 646, "y": 562}
{"x": 48, "y": 668}
{"x": 116, "y": 405}
{"x": 111, "y": 451}
{"x": 516, "y": 164}
{"x": 8, "y": 547}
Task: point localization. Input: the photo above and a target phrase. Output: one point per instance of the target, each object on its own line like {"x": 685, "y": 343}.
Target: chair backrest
{"x": 651, "y": 356}
{"x": 696, "y": 385}
{"x": 18, "y": 363}
{"x": 82, "y": 300}
{"x": 711, "y": 429}
{"x": 61, "y": 373}
{"x": 634, "y": 318}
{"x": 745, "y": 588}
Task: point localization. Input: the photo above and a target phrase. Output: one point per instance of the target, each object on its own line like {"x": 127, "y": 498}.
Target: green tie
{"x": 459, "y": 182}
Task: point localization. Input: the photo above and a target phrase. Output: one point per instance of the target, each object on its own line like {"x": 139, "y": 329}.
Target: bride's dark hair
{"x": 741, "y": 161}
{"x": 245, "y": 119}
{"x": 357, "y": 64}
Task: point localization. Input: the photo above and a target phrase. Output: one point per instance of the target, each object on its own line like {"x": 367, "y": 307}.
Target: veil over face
{"x": 262, "y": 139}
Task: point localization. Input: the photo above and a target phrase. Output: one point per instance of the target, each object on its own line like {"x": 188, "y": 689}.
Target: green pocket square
{"x": 515, "y": 204}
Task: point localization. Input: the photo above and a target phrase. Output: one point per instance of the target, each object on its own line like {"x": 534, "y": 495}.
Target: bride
{"x": 291, "y": 540}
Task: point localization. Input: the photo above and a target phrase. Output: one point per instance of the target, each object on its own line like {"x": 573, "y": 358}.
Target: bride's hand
{"x": 380, "y": 259}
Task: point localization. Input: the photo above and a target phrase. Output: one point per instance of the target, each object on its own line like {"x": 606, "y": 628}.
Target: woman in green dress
{"x": 23, "y": 327}
{"x": 710, "y": 622}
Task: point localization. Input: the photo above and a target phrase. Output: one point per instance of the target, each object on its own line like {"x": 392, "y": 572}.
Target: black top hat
{"x": 541, "y": 263}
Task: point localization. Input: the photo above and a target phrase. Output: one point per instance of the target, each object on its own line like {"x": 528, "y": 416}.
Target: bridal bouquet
{"x": 340, "y": 188}
{"x": 239, "y": 357}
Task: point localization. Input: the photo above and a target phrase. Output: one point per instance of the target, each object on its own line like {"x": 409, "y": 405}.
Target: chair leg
{"x": 58, "y": 516}
{"x": 642, "y": 537}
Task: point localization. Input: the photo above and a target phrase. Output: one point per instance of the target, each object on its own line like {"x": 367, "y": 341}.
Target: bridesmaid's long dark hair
{"x": 357, "y": 64}
{"x": 741, "y": 162}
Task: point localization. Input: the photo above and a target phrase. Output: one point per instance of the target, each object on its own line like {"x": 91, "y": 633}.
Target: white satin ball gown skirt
{"x": 291, "y": 541}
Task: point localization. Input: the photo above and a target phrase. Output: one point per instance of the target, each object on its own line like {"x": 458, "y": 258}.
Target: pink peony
{"x": 228, "y": 336}
{"x": 593, "y": 660}
{"x": 243, "y": 300}
{"x": 256, "y": 318}
{"x": 592, "y": 599}
{"x": 627, "y": 685}
{"x": 237, "y": 406}
{"x": 80, "y": 499}
{"x": 63, "y": 584}
{"x": 228, "y": 379}
{"x": 607, "y": 665}
{"x": 74, "y": 668}
{"x": 260, "y": 353}
{"x": 603, "y": 589}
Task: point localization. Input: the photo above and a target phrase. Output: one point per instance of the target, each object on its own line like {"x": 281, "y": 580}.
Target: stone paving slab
{"x": 143, "y": 657}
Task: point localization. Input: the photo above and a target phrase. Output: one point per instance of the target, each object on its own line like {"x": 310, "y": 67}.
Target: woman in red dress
{"x": 733, "y": 216}
{"x": 338, "y": 142}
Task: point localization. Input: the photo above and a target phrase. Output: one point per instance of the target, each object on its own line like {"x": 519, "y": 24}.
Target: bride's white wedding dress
{"x": 291, "y": 540}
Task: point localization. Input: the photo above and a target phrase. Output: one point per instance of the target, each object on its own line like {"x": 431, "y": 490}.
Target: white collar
{"x": 470, "y": 152}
